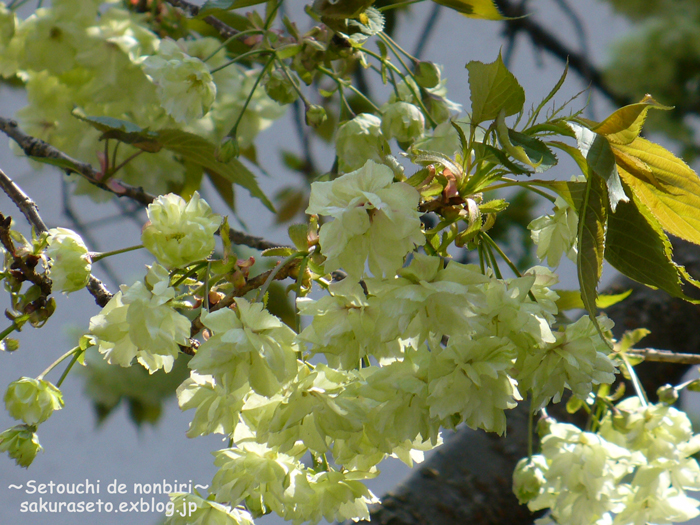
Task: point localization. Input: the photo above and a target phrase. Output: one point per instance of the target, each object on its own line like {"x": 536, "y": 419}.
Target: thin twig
{"x": 98, "y": 290}
{"x": 428, "y": 27}
{"x": 34, "y": 147}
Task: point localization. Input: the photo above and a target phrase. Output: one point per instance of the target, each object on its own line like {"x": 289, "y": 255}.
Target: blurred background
{"x": 619, "y": 50}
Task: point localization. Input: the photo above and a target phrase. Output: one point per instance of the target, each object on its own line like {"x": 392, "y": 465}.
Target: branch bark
{"x": 34, "y": 147}
{"x": 29, "y": 209}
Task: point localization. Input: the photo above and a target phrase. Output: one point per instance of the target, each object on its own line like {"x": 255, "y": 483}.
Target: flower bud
{"x": 279, "y": 88}
{"x": 359, "y": 140}
{"x": 403, "y": 121}
{"x": 228, "y": 149}
{"x": 529, "y": 478}
{"x": 315, "y": 115}
{"x": 21, "y": 443}
{"x": 667, "y": 394}
{"x": 70, "y": 264}
{"x": 32, "y": 400}
{"x": 427, "y": 74}
{"x": 180, "y": 232}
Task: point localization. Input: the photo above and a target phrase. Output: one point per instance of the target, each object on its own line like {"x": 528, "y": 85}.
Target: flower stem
{"x": 58, "y": 361}
{"x": 96, "y": 256}
{"x": 232, "y": 133}
{"x": 76, "y": 355}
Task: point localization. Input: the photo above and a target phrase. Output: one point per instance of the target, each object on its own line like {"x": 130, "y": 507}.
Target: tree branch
{"x": 34, "y": 147}
{"x": 664, "y": 356}
{"x": 29, "y": 209}
{"x": 520, "y": 21}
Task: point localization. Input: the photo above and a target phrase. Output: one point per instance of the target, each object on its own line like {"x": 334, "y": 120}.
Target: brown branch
{"x": 98, "y": 290}
{"x": 665, "y": 356}
{"x": 34, "y": 147}
{"x": 192, "y": 10}
{"x": 521, "y": 21}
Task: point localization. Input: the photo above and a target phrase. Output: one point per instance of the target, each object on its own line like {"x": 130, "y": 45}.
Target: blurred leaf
{"x": 122, "y": 130}
{"x": 200, "y": 151}
{"x": 214, "y": 7}
{"x": 485, "y": 9}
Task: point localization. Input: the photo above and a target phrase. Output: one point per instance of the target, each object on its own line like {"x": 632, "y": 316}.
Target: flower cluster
{"x": 92, "y": 59}
{"x": 140, "y": 322}
{"x": 636, "y": 469}
{"x": 179, "y": 233}
{"x": 185, "y": 88}
{"x": 70, "y": 264}
{"x": 375, "y": 218}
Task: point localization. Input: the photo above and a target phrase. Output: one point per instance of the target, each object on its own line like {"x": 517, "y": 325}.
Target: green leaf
{"x": 225, "y": 189}
{"x": 631, "y": 338}
{"x": 484, "y": 9}
{"x": 282, "y": 251}
{"x": 625, "y": 124}
{"x": 200, "y": 151}
{"x": 369, "y": 23}
{"x": 121, "y": 130}
{"x": 9, "y": 345}
{"x": 213, "y": 7}
{"x": 493, "y": 89}
{"x": 541, "y": 157}
{"x": 298, "y": 235}
{"x": 637, "y": 246}
{"x": 571, "y": 299}
{"x": 485, "y": 151}
{"x": 591, "y": 243}
{"x": 573, "y": 404}
{"x": 551, "y": 128}
{"x": 493, "y": 206}
{"x": 435, "y": 157}
{"x": 341, "y": 8}
{"x": 601, "y": 161}
{"x": 225, "y": 232}
{"x": 675, "y": 198}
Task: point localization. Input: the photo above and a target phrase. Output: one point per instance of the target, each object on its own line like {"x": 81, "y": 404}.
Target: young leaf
{"x": 571, "y": 299}
{"x": 298, "y": 235}
{"x": 484, "y": 9}
{"x": 493, "y": 89}
{"x": 591, "y": 242}
{"x": 625, "y": 124}
{"x": 675, "y": 201}
{"x": 551, "y": 94}
{"x": 282, "y": 251}
{"x": 526, "y": 149}
{"x": 224, "y": 188}
{"x": 200, "y": 151}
